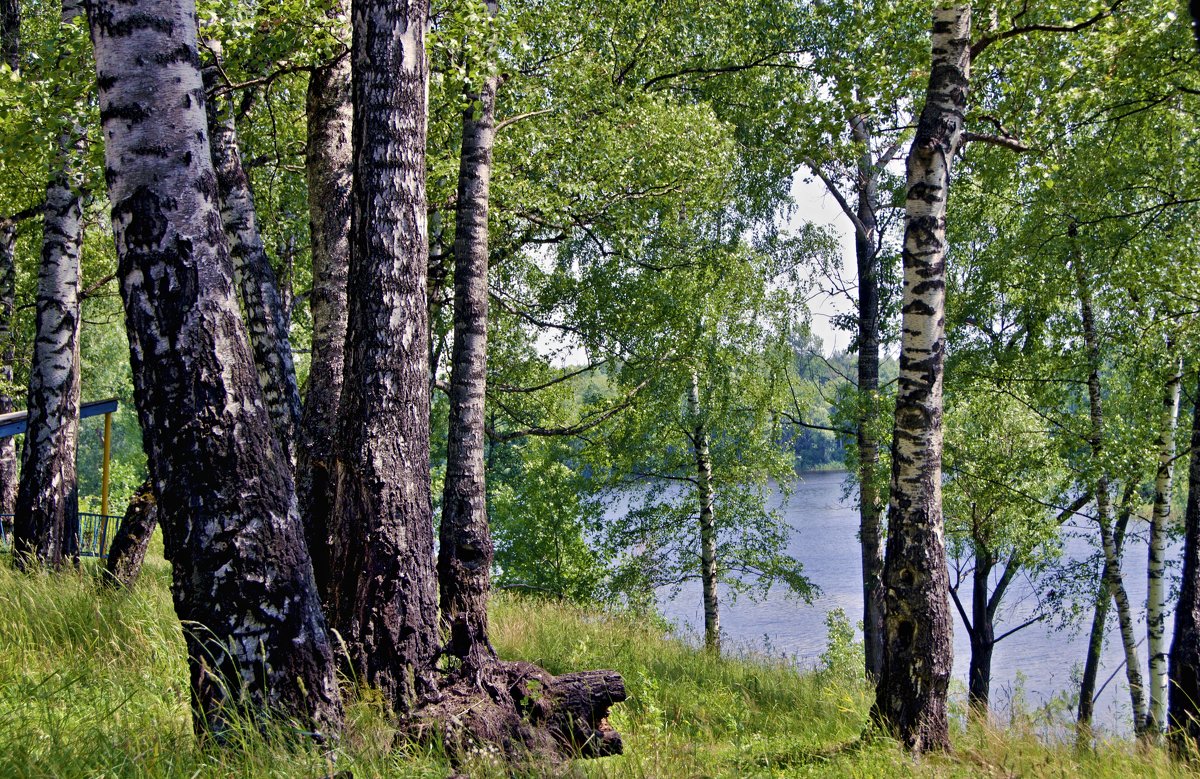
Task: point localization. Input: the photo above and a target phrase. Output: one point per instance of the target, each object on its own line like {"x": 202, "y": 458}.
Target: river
{"x": 1032, "y": 666}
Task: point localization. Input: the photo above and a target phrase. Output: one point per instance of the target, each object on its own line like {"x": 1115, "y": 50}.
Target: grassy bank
{"x": 93, "y": 685}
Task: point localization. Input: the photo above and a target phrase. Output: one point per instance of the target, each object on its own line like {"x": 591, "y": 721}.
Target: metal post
{"x": 104, "y": 473}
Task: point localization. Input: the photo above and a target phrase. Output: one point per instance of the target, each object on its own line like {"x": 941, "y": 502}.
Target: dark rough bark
{"x": 46, "y": 521}
{"x": 266, "y": 317}
{"x": 10, "y": 53}
{"x": 1194, "y": 12}
{"x": 329, "y": 164}
{"x": 128, "y": 549}
{"x": 243, "y": 587}
{"x": 870, "y": 504}
{"x": 527, "y": 712}
{"x": 910, "y": 698}
{"x": 10, "y": 33}
{"x": 465, "y": 549}
{"x": 1183, "y": 696}
{"x": 8, "y": 294}
{"x": 383, "y": 598}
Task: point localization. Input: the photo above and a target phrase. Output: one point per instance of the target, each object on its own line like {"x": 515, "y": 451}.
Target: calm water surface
{"x": 1036, "y": 663}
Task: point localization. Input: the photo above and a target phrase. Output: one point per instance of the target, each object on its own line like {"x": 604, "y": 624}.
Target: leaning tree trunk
{"x": 1091, "y": 665}
{"x": 1156, "y": 597}
{"x": 45, "y": 525}
{"x": 328, "y": 167}
{"x": 128, "y": 549}
{"x": 708, "y": 527}
{"x": 383, "y": 597}
{"x": 465, "y": 549}
{"x": 910, "y": 699}
{"x": 243, "y": 586}
{"x": 266, "y": 318}
{"x": 8, "y": 294}
{"x": 1112, "y": 559}
{"x": 1183, "y": 698}
{"x": 870, "y": 503}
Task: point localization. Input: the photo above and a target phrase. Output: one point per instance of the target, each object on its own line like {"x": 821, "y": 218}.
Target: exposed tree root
{"x": 524, "y": 712}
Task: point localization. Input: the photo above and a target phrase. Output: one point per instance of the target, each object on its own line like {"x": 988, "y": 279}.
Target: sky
{"x": 815, "y": 204}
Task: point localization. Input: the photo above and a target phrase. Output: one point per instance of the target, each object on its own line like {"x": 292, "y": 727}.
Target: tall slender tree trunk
{"x": 243, "y": 586}
{"x": 1156, "y": 597}
{"x": 708, "y": 528}
{"x": 1183, "y": 697}
{"x": 8, "y": 296}
{"x": 128, "y": 549}
{"x": 384, "y": 594}
{"x": 10, "y": 54}
{"x": 465, "y": 549}
{"x": 1091, "y": 666}
{"x": 1112, "y": 559}
{"x": 870, "y": 503}
{"x": 266, "y": 318}
{"x": 46, "y": 521}
{"x": 329, "y": 165}
{"x": 910, "y": 697}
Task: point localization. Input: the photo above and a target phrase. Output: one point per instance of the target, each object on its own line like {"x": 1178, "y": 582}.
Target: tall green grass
{"x": 93, "y": 684}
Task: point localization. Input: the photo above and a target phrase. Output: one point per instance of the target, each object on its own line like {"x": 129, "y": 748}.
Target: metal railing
{"x": 95, "y": 533}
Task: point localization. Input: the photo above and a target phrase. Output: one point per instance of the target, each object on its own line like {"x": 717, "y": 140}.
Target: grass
{"x": 93, "y": 684}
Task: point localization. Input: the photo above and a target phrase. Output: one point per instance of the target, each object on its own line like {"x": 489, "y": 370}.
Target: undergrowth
{"x": 93, "y": 684}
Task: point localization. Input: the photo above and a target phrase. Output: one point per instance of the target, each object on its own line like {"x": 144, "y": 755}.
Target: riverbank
{"x": 93, "y": 684}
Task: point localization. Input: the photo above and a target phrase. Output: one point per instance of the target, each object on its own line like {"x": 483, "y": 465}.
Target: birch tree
{"x": 1183, "y": 695}
{"x": 911, "y": 692}
{"x": 243, "y": 586}
{"x": 328, "y": 167}
{"x": 266, "y": 318}
{"x": 383, "y": 597}
{"x": 46, "y": 523}
{"x": 1156, "y": 598}
{"x": 465, "y": 551}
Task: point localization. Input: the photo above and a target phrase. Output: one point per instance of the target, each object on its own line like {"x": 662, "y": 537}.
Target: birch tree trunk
{"x": 266, "y": 318}
{"x": 708, "y": 528}
{"x": 243, "y": 586}
{"x": 10, "y": 54}
{"x": 1091, "y": 666}
{"x": 8, "y": 295}
{"x": 384, "y": 594}
{"x": 910, "y": 697}
{"x": 329, "y": 163}
{"x": 46, "y": 521}
{"x": 1112, "y": 559}
{"x": 128, "y": 549}
{"x": 1156, "y": 597}
{"x": 465, "y": 549}
{"x": 870, "y": 503}
{"x": 1183, "y": 698}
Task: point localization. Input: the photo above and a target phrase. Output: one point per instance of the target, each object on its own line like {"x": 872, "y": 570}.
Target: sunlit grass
{"x": 93, "y": 684}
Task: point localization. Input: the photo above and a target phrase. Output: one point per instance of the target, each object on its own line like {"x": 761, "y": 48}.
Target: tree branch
{"x": 981, "y": 45}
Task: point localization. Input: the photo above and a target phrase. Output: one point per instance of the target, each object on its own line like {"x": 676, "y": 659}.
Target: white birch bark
{"x": 1156, "y": 598}
{"x": 708, "y": 528}
{"x": 918, "y": 653}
